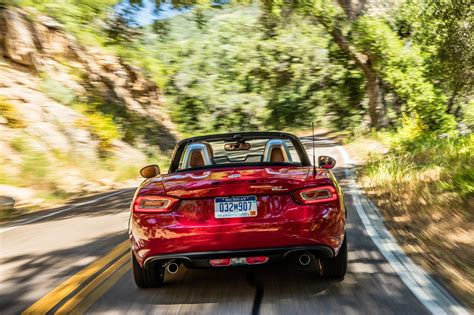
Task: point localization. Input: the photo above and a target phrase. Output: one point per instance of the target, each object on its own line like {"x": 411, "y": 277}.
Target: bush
{"x": 11, "y": 114}
{"x": 101, "y": 125}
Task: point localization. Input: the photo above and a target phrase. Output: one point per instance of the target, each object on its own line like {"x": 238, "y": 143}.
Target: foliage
{"x": 11, "y": 114}
{"x": 234, "y": 76}
{"x": 248, "y": 66}
{"x": 82, "y": 17}
{"x": 449, "y": 158}
{"x": 444, "y": 29}
{"x": 101, "y": 125}
{"x": 402, "y": 67}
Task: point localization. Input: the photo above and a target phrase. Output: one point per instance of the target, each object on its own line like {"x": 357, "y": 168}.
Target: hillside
{"x": 73, "y": 119}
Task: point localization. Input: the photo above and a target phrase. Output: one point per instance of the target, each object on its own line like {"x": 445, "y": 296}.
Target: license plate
{"x": 235, "y": 207}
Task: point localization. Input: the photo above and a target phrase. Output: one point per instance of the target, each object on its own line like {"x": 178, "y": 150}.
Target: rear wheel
{"x": 150, "y": 277}
{"x": 335, "y": 267}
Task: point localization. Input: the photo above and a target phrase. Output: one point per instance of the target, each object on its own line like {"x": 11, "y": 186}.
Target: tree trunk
{"x": 451, "y": 101}
{"x": 364, "y": 61}
{"x": 376, "y": 104}
{"x": 373, "y": 92}
{"x": 376, "y": 109}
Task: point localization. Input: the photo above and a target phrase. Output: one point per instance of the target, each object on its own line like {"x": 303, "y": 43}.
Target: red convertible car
{"x": 237, "y": 199}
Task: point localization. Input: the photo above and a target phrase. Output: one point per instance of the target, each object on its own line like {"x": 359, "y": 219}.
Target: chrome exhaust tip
{"x": 172, "y": 267}
{"x": 304, "y": 259}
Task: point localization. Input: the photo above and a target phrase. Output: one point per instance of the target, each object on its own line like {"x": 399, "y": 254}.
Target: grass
{"x": 425, "y": 189}
{"x": 447, "y": 164}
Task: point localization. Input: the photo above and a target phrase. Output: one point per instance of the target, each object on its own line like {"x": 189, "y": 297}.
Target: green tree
{"x": 444, "y": 31}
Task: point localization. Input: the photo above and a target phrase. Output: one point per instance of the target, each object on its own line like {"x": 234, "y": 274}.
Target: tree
{"x": 444, "y": 29}
{"x": 335, "y": 20}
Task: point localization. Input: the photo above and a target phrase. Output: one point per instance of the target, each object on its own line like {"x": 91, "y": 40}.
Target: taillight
{"x": 238, "y": 261}
{"x": 154, "y": 204}
{"x": 257, "y": 260}
{"x": 223, "y": 262}
{"x": 316, "y": 194}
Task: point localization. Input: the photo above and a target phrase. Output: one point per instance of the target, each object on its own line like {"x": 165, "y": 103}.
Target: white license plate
{"x": 235, "y": 207}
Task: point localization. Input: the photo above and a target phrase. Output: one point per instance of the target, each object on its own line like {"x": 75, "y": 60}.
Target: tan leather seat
{"x": 197, "y": 159}
{"x": 277, "y": 155}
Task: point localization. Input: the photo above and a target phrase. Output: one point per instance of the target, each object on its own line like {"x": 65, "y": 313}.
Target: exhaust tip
{"x": 304, "y": 259}
{"x": 172, "y": 267}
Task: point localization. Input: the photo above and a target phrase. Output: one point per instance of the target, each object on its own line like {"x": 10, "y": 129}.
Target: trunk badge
{"x": 234, "y": 176}
{"x": 279, "y": 188}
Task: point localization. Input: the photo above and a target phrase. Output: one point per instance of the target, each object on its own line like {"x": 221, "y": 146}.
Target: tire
{"x": 336, "y": 267}
{"x": 151, "y": 277}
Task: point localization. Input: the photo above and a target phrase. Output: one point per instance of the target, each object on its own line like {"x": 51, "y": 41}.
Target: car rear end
{"x": 238, "y": 200}
{"x": 263, "y": 212}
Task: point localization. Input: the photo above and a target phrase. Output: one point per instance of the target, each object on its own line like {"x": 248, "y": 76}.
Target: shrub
{"x": 101, "y": 125}
{"x": 11, "y": 114}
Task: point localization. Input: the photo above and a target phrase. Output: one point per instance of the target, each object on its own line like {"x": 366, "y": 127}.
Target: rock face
{"x": 39, "y": 42}
{"x": 16, "y": 38}
{"x": 42, "y": 70}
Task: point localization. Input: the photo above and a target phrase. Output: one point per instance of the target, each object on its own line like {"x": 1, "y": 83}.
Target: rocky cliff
{"x": 71, "y": 107}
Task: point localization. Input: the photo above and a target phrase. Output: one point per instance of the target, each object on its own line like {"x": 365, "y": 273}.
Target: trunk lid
{"x": 231, "y": 181}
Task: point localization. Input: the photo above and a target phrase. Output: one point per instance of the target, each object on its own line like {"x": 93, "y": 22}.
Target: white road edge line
{"x": 434, "y": 297}
{"x": 20, "y": 223}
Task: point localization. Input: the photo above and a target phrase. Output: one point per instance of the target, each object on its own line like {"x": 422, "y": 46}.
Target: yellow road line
{"x": 55, "y": 296}
{"x": 103, "y": 287}
{"x": 88, "y": 295}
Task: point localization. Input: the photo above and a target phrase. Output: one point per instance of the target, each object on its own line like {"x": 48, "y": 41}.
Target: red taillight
{"x": 238, "y": 261}
{"x": 316, "y": 194}
{"x": 154, "y": 204}
{"x": 223, "y": 262}
{"x": 257, "y": 260}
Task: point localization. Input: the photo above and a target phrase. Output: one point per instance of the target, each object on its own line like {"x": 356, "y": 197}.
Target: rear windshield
{"x": 249, "y": 152}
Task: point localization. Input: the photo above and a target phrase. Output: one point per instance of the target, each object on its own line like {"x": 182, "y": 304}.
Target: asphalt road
{"x": 56, "y": 264}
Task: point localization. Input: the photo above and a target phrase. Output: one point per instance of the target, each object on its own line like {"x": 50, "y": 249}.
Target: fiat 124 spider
{"x": 249, "y": 198}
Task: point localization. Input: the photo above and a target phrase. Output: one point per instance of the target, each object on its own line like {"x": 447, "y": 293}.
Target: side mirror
{"x": 150, "y": 171}
{"x": 326, "y": 162}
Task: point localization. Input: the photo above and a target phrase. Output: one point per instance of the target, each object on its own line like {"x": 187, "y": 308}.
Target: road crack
{"x": 257, "y": 300}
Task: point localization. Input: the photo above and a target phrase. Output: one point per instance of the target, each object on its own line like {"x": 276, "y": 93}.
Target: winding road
{"x": 76, "y": 259}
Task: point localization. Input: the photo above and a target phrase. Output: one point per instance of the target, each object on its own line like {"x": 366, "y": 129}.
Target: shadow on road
{"x": 35, "y": 272}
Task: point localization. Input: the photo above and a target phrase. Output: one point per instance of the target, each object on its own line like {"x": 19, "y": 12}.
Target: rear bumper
{"x": 281, "y": 225}
{"x": 201, "y": 259}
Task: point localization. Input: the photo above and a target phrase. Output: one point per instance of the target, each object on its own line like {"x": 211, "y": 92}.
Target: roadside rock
{"x": 16, "y": 40}
{"x": 19, "y": 195}
{"x": 6, "y": 203}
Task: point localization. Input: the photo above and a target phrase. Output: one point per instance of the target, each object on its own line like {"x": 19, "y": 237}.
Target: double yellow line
{"x": 79, "y": 292}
